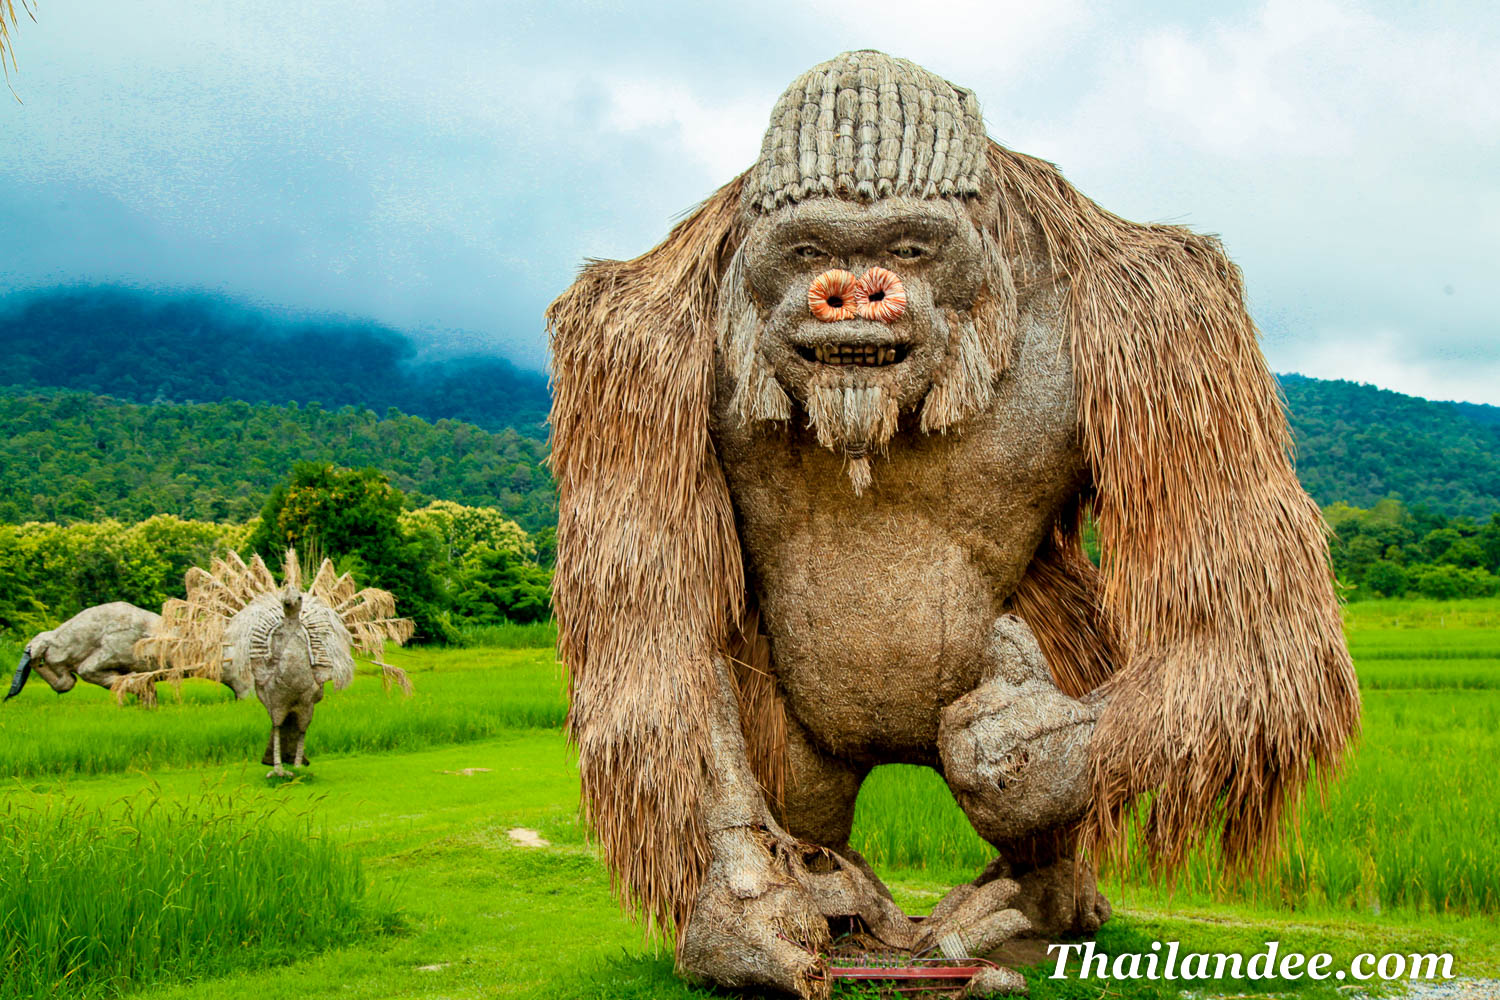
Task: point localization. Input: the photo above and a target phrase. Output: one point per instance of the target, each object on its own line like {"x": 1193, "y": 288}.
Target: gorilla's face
{"x": 865, "y": 314}
{"x": 929, "y": 245}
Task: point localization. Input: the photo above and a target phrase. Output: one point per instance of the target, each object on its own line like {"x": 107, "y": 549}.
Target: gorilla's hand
{"x": 761, "y": 917}
{"x": 1015, "y": 750}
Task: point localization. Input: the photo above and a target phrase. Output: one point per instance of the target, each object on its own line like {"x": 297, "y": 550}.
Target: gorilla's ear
{"x": 649, "y": 578}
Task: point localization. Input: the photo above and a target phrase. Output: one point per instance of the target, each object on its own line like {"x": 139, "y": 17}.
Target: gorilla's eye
{"x": 808, "y": 251}
{"x": 906, "y": 252}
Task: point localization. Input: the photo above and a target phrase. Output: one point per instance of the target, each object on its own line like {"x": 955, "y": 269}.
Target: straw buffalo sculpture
{"x": 824, "y": 458}
{"x": 96, "y": 646}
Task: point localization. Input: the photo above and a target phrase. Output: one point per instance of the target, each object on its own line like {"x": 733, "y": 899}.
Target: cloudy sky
{"x": 444, "y": 167}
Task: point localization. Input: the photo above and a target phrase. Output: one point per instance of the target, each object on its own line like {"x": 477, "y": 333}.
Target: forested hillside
{"x": 67, "y": 456}
{"x": 1355, "y": 443}
{"x": 145, "y": 347}
{"x": 1359, "y": 444}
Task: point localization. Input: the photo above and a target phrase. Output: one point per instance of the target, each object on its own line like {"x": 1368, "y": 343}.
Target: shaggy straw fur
{"x": 1059, "y": 598}
{"x": 1236, "y": 677}
{"x": 7, "y": 25}
{"x": 192, "y": 640}
{"x": 1214, "y": 609}
{"x": 649, "y": 578}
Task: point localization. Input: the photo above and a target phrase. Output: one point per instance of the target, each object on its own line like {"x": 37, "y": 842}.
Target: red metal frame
{"x": 905, "y": 972}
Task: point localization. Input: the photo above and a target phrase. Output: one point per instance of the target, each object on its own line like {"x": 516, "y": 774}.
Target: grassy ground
{"x": 1411, "y": 826}
{"x": 215, "y": 886}
{"x": 483, "y": 916}
{"x": 459, "y": 696}
{"x": 1403, "y": 856}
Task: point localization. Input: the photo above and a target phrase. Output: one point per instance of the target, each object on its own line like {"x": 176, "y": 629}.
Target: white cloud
{"x": 1395, "y": 360}
{"x": 451, "y": 170}
{"x": 722, "y": 136}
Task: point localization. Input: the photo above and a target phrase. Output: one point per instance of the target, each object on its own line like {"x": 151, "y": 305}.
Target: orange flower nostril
{"x": 880, "y": 295}
{"x": 832, "y": 296}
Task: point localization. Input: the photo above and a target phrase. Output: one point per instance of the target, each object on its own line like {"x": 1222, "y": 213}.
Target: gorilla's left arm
{"x": 1214, "y": 561}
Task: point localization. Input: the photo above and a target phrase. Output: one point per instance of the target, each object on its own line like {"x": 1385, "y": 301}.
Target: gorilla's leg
{"x": 1015, "y": 752}
{"x": 818, "y": 801}
{"x": 761, "y": 916}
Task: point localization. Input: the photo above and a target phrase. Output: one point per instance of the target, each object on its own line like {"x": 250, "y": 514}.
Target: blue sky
{"x": 444, "y": 168}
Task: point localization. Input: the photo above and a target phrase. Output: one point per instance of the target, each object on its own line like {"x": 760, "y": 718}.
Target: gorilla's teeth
{"x": 868, "y": 355}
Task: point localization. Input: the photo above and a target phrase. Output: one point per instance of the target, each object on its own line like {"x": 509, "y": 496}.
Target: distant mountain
{"x": 1358, "y": 444}
{"x": 72, "y": 456}
{"x": 172, "y": 347}
{"x": 1355, "y": 442}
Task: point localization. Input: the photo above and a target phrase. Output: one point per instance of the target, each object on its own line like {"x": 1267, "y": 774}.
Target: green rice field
{"x": 460, "y": 696}
{"x": 212, "y": 887}
{"x": 147, "y": 854}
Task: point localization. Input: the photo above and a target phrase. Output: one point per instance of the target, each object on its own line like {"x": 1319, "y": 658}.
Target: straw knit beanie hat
{"x": 864, "y": 126}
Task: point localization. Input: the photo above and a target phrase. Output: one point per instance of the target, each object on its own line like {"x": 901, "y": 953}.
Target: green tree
{"x": 546, "y": 546}
{"x": 53, "y": 571}
{"x": 1489, "y": 541}
{"x": 353, "y": 516}
{"x": 1385, "y": 579}
{"x": 458, "y": 528}
{"x": 1447, "y": 582}
{"x": 1466, "y": 553}
{"x": 1436, "y": 543}
{"x": 499, "y": 586}
{"x": 71, "y": 457}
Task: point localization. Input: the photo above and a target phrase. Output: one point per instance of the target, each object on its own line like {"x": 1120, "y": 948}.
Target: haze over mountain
{"x": 1355, "y": 443}
{"x": 145, "y": 346}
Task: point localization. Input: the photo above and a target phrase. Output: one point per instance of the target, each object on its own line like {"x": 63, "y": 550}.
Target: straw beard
{"x": 855, "y": 411}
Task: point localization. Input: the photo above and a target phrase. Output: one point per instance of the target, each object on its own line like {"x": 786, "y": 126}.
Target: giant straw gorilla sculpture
{"x": 823, "y": 457}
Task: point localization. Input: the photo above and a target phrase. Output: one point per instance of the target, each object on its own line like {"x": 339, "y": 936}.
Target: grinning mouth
{"x": 868, "y": 355}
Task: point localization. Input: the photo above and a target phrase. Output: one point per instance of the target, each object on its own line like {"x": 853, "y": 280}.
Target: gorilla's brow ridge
{"x": 844, "y": 232}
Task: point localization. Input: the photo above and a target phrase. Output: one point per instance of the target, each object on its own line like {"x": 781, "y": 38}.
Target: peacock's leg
{"x": 277, "y": 771}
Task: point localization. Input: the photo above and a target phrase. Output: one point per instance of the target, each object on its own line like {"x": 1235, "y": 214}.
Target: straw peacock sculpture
{"x": 286, "y": 641}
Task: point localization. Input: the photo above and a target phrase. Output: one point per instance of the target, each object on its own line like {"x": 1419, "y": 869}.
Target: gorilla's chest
{"x": 879, "y": 607}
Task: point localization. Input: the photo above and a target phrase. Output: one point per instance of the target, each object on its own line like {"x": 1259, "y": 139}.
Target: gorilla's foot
{"x": 973, "y": 920}
{"x": 1061, "y": 899}
{"x": 761, "y": 918}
